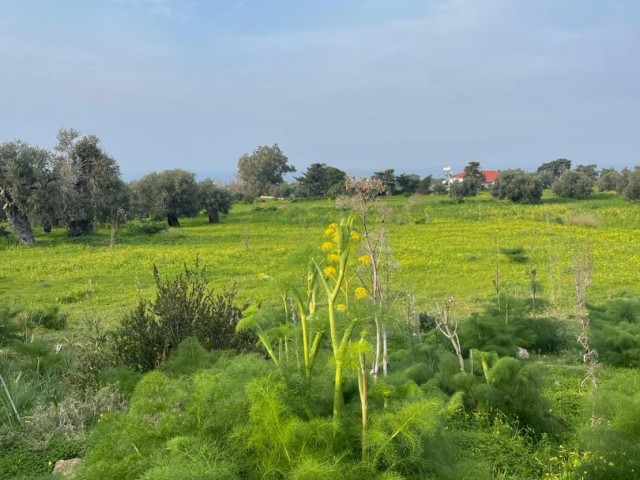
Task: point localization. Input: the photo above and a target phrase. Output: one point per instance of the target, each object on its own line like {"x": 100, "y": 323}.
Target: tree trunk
{"x": 80, "y": 227}
{"x": 18, "y": 221}
{"x": 214, "y": 216}
{"x": 172, "y": 220}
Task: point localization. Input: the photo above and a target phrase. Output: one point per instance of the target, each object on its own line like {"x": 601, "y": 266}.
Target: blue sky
{"x": 362, "y": 85}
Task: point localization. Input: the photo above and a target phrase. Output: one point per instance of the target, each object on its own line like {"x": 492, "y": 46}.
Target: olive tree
{"x": 263, "y": 169}
{"x": 549, "y": 172}
{"x": 631, "y": 190}
{"x": 572, "y": 184}
{"x": 517, "y": 186}
{"x": 609, "y": 180}
{"x": 170, "y": 194}
{"x": 89, "y": 181}
{"x": 472, "y": 182}
{"x": 214, "y": 199}
{"x": 25, "y": 176}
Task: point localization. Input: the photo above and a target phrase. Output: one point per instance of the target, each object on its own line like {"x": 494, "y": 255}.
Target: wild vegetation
{"x": 309, "y": 402}
{"x": 387, "y": 333}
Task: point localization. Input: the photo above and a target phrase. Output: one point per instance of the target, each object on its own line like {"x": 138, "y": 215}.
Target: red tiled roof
{"x": 490, "y": 175}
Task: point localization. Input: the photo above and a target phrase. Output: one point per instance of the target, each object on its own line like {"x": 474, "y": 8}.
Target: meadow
{"x": 439, "y": 246}
{"x": 125, "y": 385}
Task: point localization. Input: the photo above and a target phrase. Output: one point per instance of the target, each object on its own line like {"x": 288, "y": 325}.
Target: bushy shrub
{"x": 147, "y": 228}
{"x": 184, "y": 307}
{"x": 496, "y": 331}
{"x": 616, "y": 333}
{"x": 241, "y": 418}
{"x": 612, "y": 436}
{"x": 47, "y": 317}
{"x": 510, "y": 387}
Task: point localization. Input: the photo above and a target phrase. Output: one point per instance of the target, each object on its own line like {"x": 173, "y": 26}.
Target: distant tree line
{"x": 78, "y": 185}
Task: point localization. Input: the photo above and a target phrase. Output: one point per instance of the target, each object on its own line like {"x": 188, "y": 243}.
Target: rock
{"x": 522, "y": 353}
{"x": 66, "y": 468}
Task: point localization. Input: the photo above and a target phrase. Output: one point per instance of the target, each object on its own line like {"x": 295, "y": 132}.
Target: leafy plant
{"x": 184, "y": 307}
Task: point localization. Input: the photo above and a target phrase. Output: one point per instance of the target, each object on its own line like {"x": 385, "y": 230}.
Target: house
{"x": 490, "y": 177}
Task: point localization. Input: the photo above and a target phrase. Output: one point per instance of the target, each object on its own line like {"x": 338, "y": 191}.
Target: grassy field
{"x": 440, "y": 246}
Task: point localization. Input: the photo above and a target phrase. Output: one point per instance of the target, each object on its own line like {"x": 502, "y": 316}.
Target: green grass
{"x": 441, "y": 246}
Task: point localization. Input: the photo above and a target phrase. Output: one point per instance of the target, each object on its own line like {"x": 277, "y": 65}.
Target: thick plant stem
{"x": 333, "y": 289}
{"x": 362, "y": 389}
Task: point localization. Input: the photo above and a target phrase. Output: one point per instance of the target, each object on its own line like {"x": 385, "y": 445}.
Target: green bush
{"x": 505, "y": 328}
{"x": 47, "y": 317}
{"x": 147, "y": 228}
{"x": 21, "y": 461}
{"x": 616, "y": 333}
{"x": 612, "y": 436}
{"x": 184, "y": 307}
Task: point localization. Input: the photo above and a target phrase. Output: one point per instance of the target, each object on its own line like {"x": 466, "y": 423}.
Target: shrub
{"x": 616, "y": 333}
{"x": 48, "y": 317}
{"x": 184, "y": 307}
{"x": 612, "y": 437}
{"x": 147, "y": 228}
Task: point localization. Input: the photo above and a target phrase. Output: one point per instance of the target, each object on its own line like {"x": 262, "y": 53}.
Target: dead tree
{"x": 447, "y": 327}
{"x": 582, "y": 270}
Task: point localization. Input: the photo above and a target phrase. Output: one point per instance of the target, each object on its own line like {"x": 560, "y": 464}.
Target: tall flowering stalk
{"x": 307, "y": 306}
{"x": 333, "y": 279}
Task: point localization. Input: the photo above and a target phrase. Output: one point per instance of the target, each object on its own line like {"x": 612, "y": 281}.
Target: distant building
{"x": 490, "y": 177}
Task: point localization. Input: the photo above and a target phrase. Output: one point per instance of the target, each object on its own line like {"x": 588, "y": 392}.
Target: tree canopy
{"x": 170, "y": 194}
{"x": 517, "y": 186}
{"x": 573, "y": 184}
{"x": 549, "y": 172}
{"x": 263, "y": 169}
{"x": 214, "y": 199}
{"x": 321, "y": 180}
{"x": 471, "y": 183}
{"x": 25, "y": 174}
{"x": 89, "y": 179}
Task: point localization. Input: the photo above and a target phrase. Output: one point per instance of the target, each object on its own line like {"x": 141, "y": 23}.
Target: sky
{"x": 361, "y": 85}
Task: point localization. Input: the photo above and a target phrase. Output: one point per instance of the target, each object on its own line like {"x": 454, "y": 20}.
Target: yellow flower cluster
{"x": 329, "y": 271}
{"x": 327, "y": 246}
{"x": 364, "y": 259}
{"x": 333, "y": 258}
{"x": 331, "y": 230}
{"x": 361, "y": 293}
{"x": 341, "y": 307}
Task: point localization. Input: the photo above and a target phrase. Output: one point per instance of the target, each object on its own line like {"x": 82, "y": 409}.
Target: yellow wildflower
{"x": 331, "y": 230}
{"x": 333, "y": 258}
{"x": 327, "y": 246}
{"x": 354, "y": 236}
{"x": 341, "y": 307}
{"x": 329, "y": 271}
{"x": 364, "y": 259}
{"x": 361, "y": 293}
